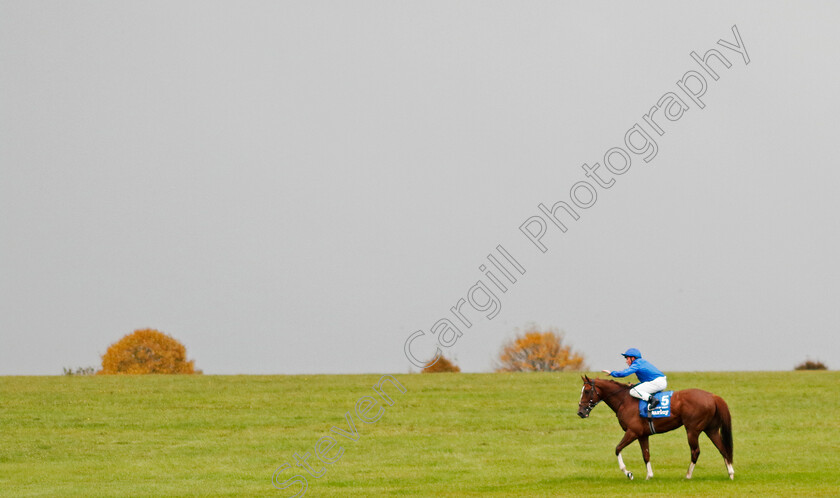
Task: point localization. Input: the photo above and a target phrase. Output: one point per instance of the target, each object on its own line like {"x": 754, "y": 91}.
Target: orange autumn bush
{"x": 442, "y": 365}
{"x": 147, "y": 351}
{"x": 537, "y": 351}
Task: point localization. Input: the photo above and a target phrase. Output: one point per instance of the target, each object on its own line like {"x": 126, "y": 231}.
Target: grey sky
{"x": 297, "y": 187}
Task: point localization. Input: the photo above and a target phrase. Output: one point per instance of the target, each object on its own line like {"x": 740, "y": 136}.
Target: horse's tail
{"x": 726, "y": 426}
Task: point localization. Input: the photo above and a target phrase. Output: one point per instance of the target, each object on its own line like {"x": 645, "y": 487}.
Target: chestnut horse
{"x": 699, "y": 411}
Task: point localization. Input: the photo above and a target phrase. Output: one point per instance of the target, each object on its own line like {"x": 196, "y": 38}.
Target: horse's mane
{"x": 615, "y": 383}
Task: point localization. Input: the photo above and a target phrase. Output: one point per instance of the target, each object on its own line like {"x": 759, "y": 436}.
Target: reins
{"x": 603, "y": 398}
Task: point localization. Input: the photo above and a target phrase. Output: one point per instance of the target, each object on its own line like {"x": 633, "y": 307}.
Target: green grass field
{"x": 448, "y": 435}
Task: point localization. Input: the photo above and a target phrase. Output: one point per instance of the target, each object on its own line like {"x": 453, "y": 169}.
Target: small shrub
{"x": 80, "y": 371}
{"x": 147, "y": 351}
{"x": 811, "y": 365}
{"x": 441, "y": 366}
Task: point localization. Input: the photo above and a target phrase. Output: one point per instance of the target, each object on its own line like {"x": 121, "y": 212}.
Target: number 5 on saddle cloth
{"x": 661, "y": 411}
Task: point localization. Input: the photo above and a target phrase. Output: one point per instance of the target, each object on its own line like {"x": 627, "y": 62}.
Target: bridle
{"x": 592, "y": 393}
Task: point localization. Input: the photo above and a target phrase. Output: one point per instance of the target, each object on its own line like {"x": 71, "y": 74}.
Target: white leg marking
{"x": 649, "y": 471}
{"x": 690, "y": 470}
{"x": 731, "y": 470}
{"x": 623, "y": 468}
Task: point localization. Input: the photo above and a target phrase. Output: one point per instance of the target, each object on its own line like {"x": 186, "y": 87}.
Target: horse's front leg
{"x": 628, "y": 438}
{"x": 643, "y": 442}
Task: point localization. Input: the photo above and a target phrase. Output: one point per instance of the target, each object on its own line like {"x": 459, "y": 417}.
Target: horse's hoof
{"x": 630, "y": 475}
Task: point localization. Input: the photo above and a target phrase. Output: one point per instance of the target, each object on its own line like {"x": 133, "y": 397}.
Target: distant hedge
{"x": 811, "y": 365}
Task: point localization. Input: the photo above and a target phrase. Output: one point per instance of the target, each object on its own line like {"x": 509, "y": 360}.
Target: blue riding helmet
{"x": 635, "y": 353}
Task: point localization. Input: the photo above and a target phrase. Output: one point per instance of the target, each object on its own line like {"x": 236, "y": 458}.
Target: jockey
{"x": 651, "y": 379}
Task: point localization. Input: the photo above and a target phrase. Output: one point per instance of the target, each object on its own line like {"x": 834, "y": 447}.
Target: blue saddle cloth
{"x": 661, "y": 411}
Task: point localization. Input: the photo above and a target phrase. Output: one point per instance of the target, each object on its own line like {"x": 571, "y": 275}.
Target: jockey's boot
{"x": 652, "y": 403}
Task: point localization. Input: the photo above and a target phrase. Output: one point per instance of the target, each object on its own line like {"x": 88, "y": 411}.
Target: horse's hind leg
{"x": 628, "y": 438}
{"x": 643, "y": 442}
{"x": 694, "y": 444}
{"x": 717, "y": 440}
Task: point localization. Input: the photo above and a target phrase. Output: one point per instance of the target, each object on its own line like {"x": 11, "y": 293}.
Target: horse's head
{"x": 589, "y": 397}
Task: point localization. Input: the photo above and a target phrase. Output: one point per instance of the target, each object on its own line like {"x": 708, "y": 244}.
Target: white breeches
{"x": 645, "y": 389}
